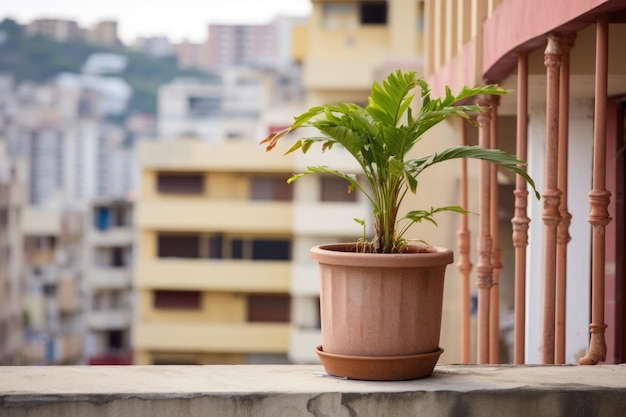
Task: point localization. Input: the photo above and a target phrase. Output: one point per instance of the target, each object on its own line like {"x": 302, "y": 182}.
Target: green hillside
{"x": 39, "y": 59}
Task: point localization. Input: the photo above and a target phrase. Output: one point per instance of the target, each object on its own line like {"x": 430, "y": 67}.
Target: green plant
{"x": 380, "y": 137}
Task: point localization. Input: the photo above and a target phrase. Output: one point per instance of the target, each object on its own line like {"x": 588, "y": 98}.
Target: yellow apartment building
{"x": 222, "y": 269}
{"x": 349, "y": 44}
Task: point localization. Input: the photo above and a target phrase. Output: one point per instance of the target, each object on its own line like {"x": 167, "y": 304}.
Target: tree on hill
{"x": 39, "y": 59}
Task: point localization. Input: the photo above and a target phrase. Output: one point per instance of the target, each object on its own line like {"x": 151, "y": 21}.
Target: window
{"x": 336, "y": 189}
{"x": 118, "y": 257}
{"x": 178, "y": 246}
{"x": 374, "y": 12}
{"x": 215, "y": 247}
{"x": 176, "y": 300}
{"x": 190, "y": 183}
{"x": 269, "y": 308}
{"x": 236, "y": 249}
{"x": 271, "y": 250}
{"x": 203, "y": 106}
{"x": 271, "y": 189}
{"x": 102, "y": 218}
{"x": 116, "y": 340}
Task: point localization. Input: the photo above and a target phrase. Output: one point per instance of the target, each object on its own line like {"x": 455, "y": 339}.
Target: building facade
{"x": 108, "y": 296}
{"x": 222, "y": 270}
{"x": 52, "y": 273}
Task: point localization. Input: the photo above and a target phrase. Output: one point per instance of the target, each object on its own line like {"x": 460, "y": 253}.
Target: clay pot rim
{"x": 343, "y": 254}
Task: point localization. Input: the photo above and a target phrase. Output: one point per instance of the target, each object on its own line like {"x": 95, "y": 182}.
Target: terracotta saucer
{"x": 379, "y": 368}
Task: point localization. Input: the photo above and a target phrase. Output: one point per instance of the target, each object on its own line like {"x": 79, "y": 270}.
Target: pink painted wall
{"x": 518, "y": 25}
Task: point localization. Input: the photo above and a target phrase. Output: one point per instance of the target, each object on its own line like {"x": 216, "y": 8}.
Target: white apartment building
{"x": 211, "y": 111}
{"x": 259, "y": 46}
{"x": 107, "y": 286}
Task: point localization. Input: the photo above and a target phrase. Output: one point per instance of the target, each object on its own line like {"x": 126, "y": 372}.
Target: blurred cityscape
{"x": 140, "y": 220}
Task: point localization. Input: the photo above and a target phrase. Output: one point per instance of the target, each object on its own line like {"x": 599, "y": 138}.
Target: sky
{"x": 177, "y": 19}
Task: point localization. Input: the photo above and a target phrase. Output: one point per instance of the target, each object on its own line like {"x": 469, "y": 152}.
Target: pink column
{"x": 464, "y": 264}
{"x": 599, "y": 199}
{"x": 563, "y": 237}
{"x": 520, "y": 220}
{"x": 551, "y": 196}
{"x": 483, "y": 268}
{"x": 496, "y": 254}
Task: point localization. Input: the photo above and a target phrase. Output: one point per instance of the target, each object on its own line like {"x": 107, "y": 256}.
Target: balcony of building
{"x": 565, "y": 117}
{"x": 118, "y": 236}
{"x": 103, "y": 278}
{"x": 350, "y": 42}
{"x": 183, "y": 214}
{"x": 212, "y": 337}
{"x": 205, "y": 275}
{"x": 109, "y": 318}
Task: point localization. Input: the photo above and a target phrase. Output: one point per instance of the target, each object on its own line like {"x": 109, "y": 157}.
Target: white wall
{"x": 578, "y": 256}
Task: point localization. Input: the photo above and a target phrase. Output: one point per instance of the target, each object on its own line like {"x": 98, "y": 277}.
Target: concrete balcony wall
{"x": 304, "y": 390}
{"x": 116, "y": 236}
{"x": 186, "y": 214}
{"x": 346, "y": 59}
{"x": 106, "y": 319}
{"x": 329, "y": 218}
{"x": 108, "y": 278}
{"x": 209, "y": 275}
{"x": 212, "y": 337}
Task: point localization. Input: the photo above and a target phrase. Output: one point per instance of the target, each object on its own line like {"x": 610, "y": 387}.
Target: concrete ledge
{"x": 295, "y": 390}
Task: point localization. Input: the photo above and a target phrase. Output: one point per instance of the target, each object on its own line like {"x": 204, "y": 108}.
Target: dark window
{"x": 177, "y": 300}
{"x": 118, "y": 257}
{"x": 49, "y": 290}
{"x": 204, "y": 106}
{"x": 271, "y": 189}
{"x": 116, "y": 339}
{"x": 192, "y": 183}
{"x": 374, "y": 12}
{"x": 181, "y": 246}
{"x": 237, "y": 249}
{"x": 336, "y": 189}
{"x": 215, "y": 247}
{"x": 269, "y": 308}
{"x": 269, "y": 249}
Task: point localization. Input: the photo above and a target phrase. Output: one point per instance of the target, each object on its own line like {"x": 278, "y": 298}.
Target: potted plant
{"x": 381, "y": 299}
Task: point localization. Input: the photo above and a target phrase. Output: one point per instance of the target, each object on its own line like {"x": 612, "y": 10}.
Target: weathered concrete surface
{"x": 294, "y": 391}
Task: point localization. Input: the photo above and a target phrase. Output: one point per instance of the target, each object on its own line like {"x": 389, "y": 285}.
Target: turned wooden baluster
{"x": 483, "y": 267}
{"x": 496, "y": 253}
{"x": 599, "y": 199}
{"x": 464, "y": 264}
{"x": 551, "y": 196}
{"x": 563, "y": 236}
{"x": 520, "y": 220}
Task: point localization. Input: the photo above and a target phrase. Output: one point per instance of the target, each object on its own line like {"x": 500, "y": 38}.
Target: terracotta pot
{"x": 385, "y": 306}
